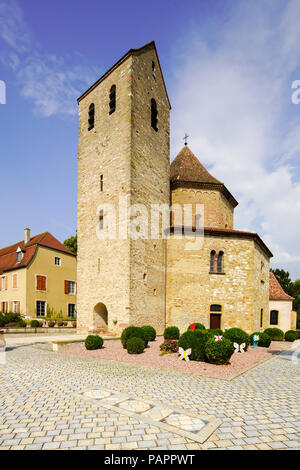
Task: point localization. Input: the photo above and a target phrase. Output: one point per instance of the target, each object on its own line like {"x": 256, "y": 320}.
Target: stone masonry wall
{"x": 191, "y": 289}
{"x": 150, "y": 184}
{"x": 218, "y": 210}
{"x": 103, "y": 265}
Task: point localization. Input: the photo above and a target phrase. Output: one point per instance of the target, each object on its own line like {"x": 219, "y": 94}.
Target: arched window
{"x": 274, "y": 317}
{"x": 212, "y": 261}
{"x": 91, "y": 116}
{"x": 220, "y": 262}
{"x": 154, "y": 114}
{"x": 112, "y": 99}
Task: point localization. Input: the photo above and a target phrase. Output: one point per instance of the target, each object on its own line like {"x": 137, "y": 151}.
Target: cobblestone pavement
{"x": 41, "y": 406}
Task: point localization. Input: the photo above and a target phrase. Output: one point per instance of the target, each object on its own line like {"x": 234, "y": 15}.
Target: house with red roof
{"x": 38, "y": 276}
{"x": 281, "y": 307}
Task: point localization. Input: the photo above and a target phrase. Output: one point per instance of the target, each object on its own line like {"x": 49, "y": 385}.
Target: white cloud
{"x": 52, "y": 83}
{"x": 234, "y": 99}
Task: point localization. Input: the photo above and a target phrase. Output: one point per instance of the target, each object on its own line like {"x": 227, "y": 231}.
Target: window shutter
{"x": 66, "y": 287}
{"x": 15, "y": 283}
{"x": 18, "y": 307}
{"x": 10, "y": 307}
{"x": 43, "y": 283}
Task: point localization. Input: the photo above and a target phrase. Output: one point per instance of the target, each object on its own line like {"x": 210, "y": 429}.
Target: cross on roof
{"x": 185, "y": 138}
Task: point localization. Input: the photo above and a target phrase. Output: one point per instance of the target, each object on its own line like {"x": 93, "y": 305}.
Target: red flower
{"x": 193, "y": 326}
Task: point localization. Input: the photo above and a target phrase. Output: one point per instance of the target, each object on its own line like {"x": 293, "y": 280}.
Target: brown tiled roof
{"x": 8, "y": 256}
{"x": 186, "y": 170}
{"x": 224, "y": 232}
{"x": 125, "y": 56}
{"x": 276, "y": 291}
{"x": 186, "y": 167}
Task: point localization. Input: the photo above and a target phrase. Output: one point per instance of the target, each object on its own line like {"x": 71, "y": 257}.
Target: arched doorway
{"x": 100, "y": 316}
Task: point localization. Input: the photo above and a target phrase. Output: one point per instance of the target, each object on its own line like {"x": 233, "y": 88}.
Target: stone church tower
{"x": 123, "y": 160}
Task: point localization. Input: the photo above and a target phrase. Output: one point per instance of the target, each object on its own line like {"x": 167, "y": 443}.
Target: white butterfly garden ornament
{"x": 239, "y": 347}
{"x": 218, "y": 338}
{"x": 184, "y": 354}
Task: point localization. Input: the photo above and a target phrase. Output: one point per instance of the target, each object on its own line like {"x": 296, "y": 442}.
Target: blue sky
{"x": 229, "y": 67}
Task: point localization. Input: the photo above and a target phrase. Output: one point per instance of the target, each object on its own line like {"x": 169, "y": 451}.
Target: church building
{"x": 124, "y": 161}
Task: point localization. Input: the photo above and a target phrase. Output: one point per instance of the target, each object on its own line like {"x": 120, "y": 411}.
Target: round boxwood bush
{"x": 171, "y": 332}
{"x": 275, "y": 334}
{"x": 150, "y": 332}
{"x": 34, "y": 324}
{"x": 93, "y": 342}
{"x": 196, "y": 326}
{"x": 264, "y": 339}
{"x": 194, "y": 339}
{"x": 291, "y": 335}
{"x": 133, "y": 331}
{"x": 135, "y": 345}
{"x": 51, "y": 324}
{"x": 219, "y": 352}
{"x": 215, "y": 332}
{"x": 236, "y": 335}
{"x": 21, "y": 324}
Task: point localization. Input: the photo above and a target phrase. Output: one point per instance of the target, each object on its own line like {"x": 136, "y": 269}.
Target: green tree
{"x": 71, "y": 243}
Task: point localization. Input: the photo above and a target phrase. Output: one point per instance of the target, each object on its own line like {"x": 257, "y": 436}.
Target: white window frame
{"x": 57, "y": 258}
{"x": 15, "y": 306}
{"x": 45, "y": 302}
{"x": 38, "y": 290}
{"x": 74, "y": 310}
{"x": 3, "y": 282}
{"x": 69, "y": 283}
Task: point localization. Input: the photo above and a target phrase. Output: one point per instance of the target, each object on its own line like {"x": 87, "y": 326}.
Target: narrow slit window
{"x": 101, "y": 183}
{"x": 154, "y": 115}
{"x": 101, "y": 220}
{"x": 112, "y": 99}
{"x": 91, "y": 116}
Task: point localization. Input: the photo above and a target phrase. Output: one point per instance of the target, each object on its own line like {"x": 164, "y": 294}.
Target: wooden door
{"x": 215, "y": 321}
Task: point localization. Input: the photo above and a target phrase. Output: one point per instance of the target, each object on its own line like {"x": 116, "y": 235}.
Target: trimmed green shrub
{"x": 41, "y": 323}
{"x": 275, "y": 334}
{"x": 264, "y": 339}
{"x": 60, "y": 323}
{"x": 131, "y": 331}
{"x": 291, "y": 335}
{"x": 51, "y": 324}
{"x": 21, "y": 324}
{"x": 169, "y": 346}
{"x": 74, "y": 324}
{"x": 34, "y": 324}
{"x": 93, "y": 342}
{"x": 216, "y": 332}
{"x": 194, "y": 339}
{"x": 11, "y": 317}
{"x": 219, "y": 352}
{"x": 150, "y": 332}
{"x": 65, "y": 323}
{"x": 171, "y": 332}
{"x": 197, "y": 326}
{"x": 2, "y": 320}
{"x": 236, "y": 335}
{"x": 135, "y": 345}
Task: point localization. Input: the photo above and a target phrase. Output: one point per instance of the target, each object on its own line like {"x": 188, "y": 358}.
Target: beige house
{"x": 38, "y": 275}
{"x": 124, "y": 161}
{"x": 281, "y": 307}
